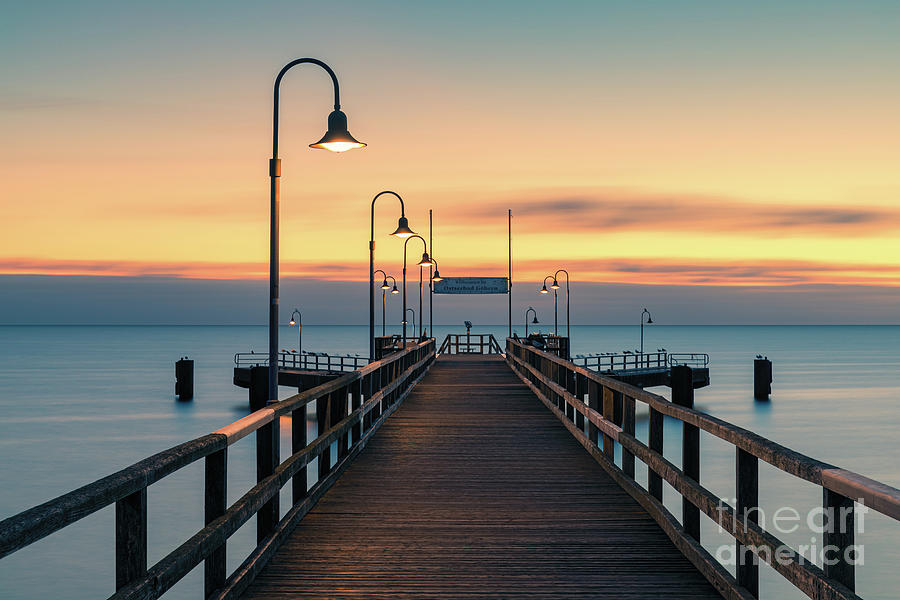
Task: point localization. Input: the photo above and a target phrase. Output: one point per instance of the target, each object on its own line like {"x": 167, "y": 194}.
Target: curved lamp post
{"x": 299, "y": 323}
{"x": 402, "y": 231}
{"x": 425, "y": 262}
{"x": 544, "y": 290}
{"x": 555, "y": 286}
{"x": 384, "y": 288}
{"x": 649, "y": 322}
{"x": 413, "y": 323}
{"x": 534, "y": 322}
{"x": 336, "y": 139}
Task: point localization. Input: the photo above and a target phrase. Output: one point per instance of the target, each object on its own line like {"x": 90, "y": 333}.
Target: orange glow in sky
{"x": 652, "y": 157}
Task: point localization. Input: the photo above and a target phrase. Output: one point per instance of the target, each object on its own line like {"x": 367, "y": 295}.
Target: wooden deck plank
{"x": 472, "y": 489}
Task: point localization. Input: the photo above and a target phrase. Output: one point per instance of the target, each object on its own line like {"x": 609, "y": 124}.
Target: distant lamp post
{"x": 554, "y": 286}
{"x": 402, "y": 231}
{"x": 649, "y": 322}
{"x": 534, "y": 322}
{"x": 384, "y": 289}
{"x": 299, "y": 323}
{"x": 425, "y": 262}
{"x": 336, "y": 139}
{"x": 413, "y": 323}
{"x": 437, "y": 274}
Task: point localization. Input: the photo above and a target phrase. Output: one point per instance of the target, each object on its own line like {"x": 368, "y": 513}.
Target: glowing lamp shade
{"x": 337, "y": 138}
{"x": 555, "y": 285}
{"x": 426, "y": 261}
{"x": 293, "y": 322}
{"x": 403, "y": 230}
{"x": 544, "y": 289}
{"x": 384, "y": 285}
{"x": 395, "y": 290}
{"x": 437, "y": 276}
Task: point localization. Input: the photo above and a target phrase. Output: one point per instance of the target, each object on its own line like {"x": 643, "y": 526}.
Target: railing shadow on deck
{"x": 349, "y": 410}
{"x": 580, "y": 397}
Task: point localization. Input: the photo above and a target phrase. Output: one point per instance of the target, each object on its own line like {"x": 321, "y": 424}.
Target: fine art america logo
{"x": 824, "y": 522}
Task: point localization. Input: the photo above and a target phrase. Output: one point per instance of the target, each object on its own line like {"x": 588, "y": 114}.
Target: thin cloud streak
{"x": 618, "y": 210}
{"x": 632, "y": 271}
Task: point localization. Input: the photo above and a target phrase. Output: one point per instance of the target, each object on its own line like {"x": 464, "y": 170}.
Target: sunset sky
{"x": 640, "y": 143}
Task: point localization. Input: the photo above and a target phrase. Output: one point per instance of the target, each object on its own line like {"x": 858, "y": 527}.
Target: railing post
{"x": 357, "y": 391}
{"x": 682, "y": 380}
{"x": 747, "y": 511}
{"x": 576, "y": 381}
{"x": 340, "y": 404}
{"x": 655, "y": 441}
{"x": 215, "y": 501}
{"x": 594, "y": 404}
{"x": 838, "y": 537}
{"x": 267, "y": 458}
{"x": 608, "y": 445}
{"x": 628, "y": 427}
{"x": 131, "y": 538}
{"x": 298, "y": 443}
{"x": 323, "y": 410}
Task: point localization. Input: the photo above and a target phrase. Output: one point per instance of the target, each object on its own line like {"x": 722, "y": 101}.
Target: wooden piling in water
{"x": 762, "y": 378}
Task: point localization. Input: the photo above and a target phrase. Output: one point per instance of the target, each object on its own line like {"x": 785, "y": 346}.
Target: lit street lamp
{"x": 336, "y": 139}
{"x": 384, "y": 288}
{"x": 555, "y": 286}
{"x": 649, "y": 322}
{"x": 402, "y": 231}
{"x": 544, "y": 290}
{"x": 413, "y": 324}
{"x": 425, "y": 262}
{"x": 534, "y": 322}
{"x": 299, "y": 324}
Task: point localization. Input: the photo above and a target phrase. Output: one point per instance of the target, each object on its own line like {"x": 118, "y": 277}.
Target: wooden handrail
{"x": 562, "y": 385}
{"x": 375, "y": 390}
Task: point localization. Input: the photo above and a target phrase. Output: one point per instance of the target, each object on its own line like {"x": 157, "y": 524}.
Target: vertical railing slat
{"x": 131, "y": 538}
{"x": 267, "y": 459}
{"x": 747, "y": 509}
{"x": 838, "y": 537}
{"x": 683, "y": 395}
{"x": 215, "y": 503}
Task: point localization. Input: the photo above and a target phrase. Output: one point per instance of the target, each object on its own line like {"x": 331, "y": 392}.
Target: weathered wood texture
{"x": 474, "y": 490}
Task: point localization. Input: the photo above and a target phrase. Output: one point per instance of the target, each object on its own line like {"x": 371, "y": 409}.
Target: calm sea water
{"x": 77, "y": 403}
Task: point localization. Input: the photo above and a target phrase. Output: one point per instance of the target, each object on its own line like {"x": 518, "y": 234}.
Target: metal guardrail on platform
{"x": 470, "y": 343}
{"x": 306, "y": 361}
{"x": 628, "y": 361}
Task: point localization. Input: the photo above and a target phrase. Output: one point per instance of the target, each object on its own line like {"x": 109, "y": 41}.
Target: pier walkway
{"x": 473, "y": 489}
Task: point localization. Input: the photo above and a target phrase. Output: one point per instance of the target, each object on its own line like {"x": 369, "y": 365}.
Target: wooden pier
{"x": 451, "y": 476}
{"x": 474, "y": 490}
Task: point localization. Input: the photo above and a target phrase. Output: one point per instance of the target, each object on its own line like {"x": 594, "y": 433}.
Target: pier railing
{"x": 475, "y": 343}
{"x": 636, "y": 360}
{"x": 349, "y": 410}
{"x": 304, "y": 361}
{"x": 600, "y": 413}
{"x": 622, "y": 362}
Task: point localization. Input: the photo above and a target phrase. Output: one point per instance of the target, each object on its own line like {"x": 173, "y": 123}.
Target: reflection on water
{"x": 105, "y": 399}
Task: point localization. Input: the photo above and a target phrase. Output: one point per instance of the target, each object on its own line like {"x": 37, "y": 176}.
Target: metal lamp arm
{"x": 372, "y": 220}
{"x": 284, "y": 70}
{"x": 406, "y": 241}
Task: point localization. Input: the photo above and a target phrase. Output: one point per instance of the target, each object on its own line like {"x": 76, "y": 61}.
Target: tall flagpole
{"x": 430, "y": 275}
{"x": 509, "y": 288}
